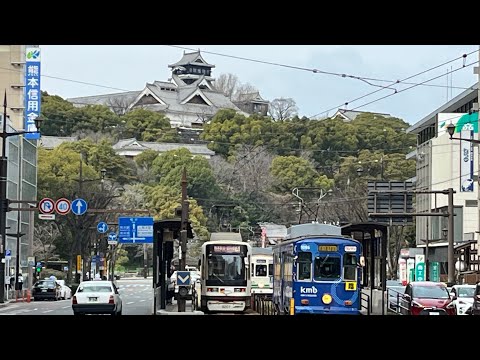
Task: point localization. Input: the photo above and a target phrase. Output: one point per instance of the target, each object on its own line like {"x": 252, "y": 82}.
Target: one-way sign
{"x": 183, "y": 277}
{"x": 137, "y": 230}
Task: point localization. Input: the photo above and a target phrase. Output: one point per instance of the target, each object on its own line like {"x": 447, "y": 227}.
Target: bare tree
{"x": 283, "y": 109}
{"x": 226, "y": 84}
{"x": 249, "y": 171}
{"x": 96, "y": 137}
{"x": 119, "y": 104}
{"x": 43, "y": 242}
{"x": 242, "y": 90}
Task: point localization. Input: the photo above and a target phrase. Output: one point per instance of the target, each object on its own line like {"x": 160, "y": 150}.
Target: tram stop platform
{"x": 172, "y": 309}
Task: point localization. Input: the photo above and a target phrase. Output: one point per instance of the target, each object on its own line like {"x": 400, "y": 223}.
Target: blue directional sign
{"x": 112, "y": 236}
{"x": 8, "y": 254}
{"x": 102, "y": 227}
{"x": 183, "y": 277}
{"x": 137, "y": 230}
{"x": 79, "y": 206}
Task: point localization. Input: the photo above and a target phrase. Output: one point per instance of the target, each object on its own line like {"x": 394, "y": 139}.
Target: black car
{"x": 46, "y": 289}
{"x": 475, "y": 309}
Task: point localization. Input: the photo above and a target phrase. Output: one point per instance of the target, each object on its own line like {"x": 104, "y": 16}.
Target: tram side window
{"x": 270, "y": 269}
{"x": 304, "y": 265}
{"x": 350, "y": 267}
{"x": 327, "y": 267}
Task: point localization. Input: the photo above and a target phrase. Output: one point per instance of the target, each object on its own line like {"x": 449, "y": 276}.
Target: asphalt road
{"x": 136, "y": 294}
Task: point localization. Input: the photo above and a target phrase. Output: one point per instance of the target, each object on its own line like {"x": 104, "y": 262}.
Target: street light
{"x": 4, "y": 202}
{"x": 451, "y": 131}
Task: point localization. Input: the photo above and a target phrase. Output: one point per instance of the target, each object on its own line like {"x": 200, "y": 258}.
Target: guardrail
{"x": 395, "y": 302}
{"x": 365, "y": 302}
{"x": 263, "y": 304}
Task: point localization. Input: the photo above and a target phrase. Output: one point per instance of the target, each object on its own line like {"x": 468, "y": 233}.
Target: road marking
{"x": 131, "y": 302}
{"x": 142, "y": 300}
{"x": 10, "y": 307}
{"x": 47, "y": 311}
{"x": 66, "y": 307}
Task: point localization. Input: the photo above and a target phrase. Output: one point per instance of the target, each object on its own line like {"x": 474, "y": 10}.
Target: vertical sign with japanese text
{"x": 32, "y": 91}
{"x": 466, "y": 159}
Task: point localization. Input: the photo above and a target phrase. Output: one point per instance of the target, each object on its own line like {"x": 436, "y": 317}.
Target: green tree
{"x": 102, "y": 156}
{"x": 200, "y": 179}
{"x": 331, "y": 139}
{"x": 229, "y": 129}
{"x": 163, "y": 202}
{"x": 375, "y": 132}
{"x": 292, "y": 171}
{"x": 145, "y": 125}
{"x": 96, "y": 118}
{"x": 57, "y": 115}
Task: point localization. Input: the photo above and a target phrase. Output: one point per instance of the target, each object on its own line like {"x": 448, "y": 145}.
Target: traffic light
{"x": 38, "y": 267}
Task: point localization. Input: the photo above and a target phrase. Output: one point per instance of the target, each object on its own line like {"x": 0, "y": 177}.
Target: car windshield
{"x": 45, "y": 284}
{"x": 466, "y": 292}
{"x": 95, "y": 288}
{"x": 430, "y": 292}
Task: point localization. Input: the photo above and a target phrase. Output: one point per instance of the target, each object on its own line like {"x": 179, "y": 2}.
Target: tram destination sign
{"x": 226, "y": 249}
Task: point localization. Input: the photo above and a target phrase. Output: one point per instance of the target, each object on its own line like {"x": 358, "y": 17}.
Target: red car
{"x": 427, "y": 298}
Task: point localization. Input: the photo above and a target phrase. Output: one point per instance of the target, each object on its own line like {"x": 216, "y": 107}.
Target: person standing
{"x": 19, "y": 282}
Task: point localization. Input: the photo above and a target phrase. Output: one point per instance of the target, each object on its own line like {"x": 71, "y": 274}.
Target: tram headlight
{"x": 327, "y": 299}
{"x": 261, "y": 285}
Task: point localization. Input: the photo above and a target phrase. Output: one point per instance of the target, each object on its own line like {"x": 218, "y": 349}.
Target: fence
{"x": 263, "y": 304}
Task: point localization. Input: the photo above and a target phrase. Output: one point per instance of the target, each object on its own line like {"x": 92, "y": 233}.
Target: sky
{"x": 130, "y": 67}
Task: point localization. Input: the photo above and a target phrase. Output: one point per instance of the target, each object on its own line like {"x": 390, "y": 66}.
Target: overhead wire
{"x": 395, "y": 83}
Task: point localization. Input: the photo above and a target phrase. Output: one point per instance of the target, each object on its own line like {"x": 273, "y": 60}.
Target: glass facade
{"x": 21, "y": 185}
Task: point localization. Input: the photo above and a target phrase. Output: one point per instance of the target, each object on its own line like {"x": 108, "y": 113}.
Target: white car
{"x": 65, "y": 291}
{"x": 97, "y": 297}
{"x": 463, "y": 298}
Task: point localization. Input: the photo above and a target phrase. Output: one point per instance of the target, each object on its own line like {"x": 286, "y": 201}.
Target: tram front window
{"x": 226, "y": 270}
{"x": 261, "y": 270}
{"x": 326, "y": 268}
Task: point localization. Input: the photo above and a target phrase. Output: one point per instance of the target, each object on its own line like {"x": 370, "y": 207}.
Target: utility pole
{"x": 183, "y": 234}
{"x": 145, "y": 261}
{"x": 427, "y": 264}
{"x": 450, "y": 237}
{"x": 31, "y": 217}
{"x": 476, "y": 108}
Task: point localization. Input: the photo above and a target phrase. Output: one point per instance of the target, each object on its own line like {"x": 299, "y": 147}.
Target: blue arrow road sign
{"x": 137, "y": 230}
{"x": 8, "y": 253}
{"x": 112, "y": 236}
{"x": 79, "y": 206}
{"x": 183, "y": 277}
{"x": 102, "y": 227}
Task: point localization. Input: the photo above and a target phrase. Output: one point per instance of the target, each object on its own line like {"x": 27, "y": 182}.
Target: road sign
{"x": 112, "y": 239}
{"x": 419, "y": 267}
{"x": 46, "y": 206}
{"x": 46, "y": 216}
{"x": 31, "y": 261}
{"x": 79, "y": 206}
{"x": 183, "y": 277}
{"x": 435, "y": 271}
{"x": 137, "y": 230}
{"x": 8, "y": 254}
{"x": 102, "y": 227}
{"x": 62, "y": 206}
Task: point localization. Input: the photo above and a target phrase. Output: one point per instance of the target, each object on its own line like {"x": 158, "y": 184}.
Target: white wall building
{"x": 438, "y": 162}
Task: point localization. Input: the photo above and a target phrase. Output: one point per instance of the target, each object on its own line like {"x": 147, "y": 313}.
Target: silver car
{"x": 97, "y": 297}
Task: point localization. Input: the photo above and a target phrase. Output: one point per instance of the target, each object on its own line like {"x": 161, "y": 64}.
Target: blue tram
{"x": 317, "y": 271}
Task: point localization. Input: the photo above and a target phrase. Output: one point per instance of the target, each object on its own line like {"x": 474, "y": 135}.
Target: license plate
{"x": 44, "y": 290}
{"x": 92, "y": 299}
{"x": 226, "y": 306}
{"x": 434, "y": 313}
